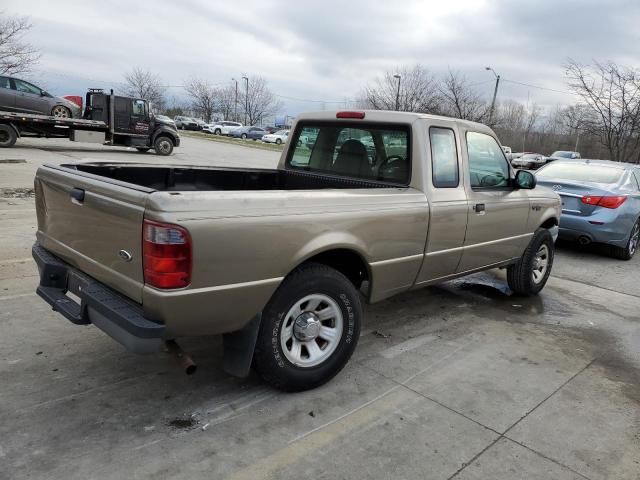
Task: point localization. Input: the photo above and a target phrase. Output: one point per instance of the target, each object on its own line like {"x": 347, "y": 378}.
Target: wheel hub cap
{"x": 307, "y": 327}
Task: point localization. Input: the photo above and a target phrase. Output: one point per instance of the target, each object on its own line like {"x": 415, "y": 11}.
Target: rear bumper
{"x": 111, "y": 312}
{"x": 613, "y": 231}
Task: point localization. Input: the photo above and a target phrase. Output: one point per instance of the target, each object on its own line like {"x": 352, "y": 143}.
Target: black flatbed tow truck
{"x": 107, "y": 119}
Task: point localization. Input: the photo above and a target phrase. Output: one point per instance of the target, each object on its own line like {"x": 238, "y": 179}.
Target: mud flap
{"x": 239, "y": 346}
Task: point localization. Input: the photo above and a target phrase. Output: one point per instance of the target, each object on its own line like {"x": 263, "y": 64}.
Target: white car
{"x": 278, "y": 137}
{"x": 221, "y": 128}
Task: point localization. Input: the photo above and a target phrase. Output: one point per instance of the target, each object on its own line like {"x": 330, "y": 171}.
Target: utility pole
{"x": 246, "y": 99}
{"x": 399, "y": 77}
{"x": 495, "y": 93}
{"x": 235, "y": 113}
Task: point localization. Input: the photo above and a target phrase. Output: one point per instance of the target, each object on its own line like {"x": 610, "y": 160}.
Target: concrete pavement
{"x": 459, "y": 381}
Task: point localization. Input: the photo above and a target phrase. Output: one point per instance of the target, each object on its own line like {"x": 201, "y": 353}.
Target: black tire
{"x": 143, "y": 149}
{"x": 8, "y": 136}
{"x": 217, "y": 131}
{"x": 271, "y": 362}
{"x": 163, "y": 145}
{"x": 243, "y": 136}
{"x": 520, "y": 276}
{"x": 278, "y": 141}
{"x": 627, "y": 252}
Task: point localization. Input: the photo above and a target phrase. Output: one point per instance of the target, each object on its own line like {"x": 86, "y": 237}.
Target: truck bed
{"x": 193, "y": 178}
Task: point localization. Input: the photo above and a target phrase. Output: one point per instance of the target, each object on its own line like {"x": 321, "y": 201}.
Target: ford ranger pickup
{"x": 363, "y": 205}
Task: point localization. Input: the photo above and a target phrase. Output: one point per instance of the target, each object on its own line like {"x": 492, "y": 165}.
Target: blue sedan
{"x": 600, "y": 202}
{"x": 254, "y": 133}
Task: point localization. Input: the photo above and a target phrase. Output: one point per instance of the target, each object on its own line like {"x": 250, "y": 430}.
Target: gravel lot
{"x": 456, "y": 381}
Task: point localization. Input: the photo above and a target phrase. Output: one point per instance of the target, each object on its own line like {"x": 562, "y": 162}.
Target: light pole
{"x": 235, "y": 113}
{"x": 495, "y": 93}
{"x": 246, "y": 98}
{"x": 399, "y": 77}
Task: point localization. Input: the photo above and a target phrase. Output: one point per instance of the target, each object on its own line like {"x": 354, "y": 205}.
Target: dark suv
{"x": 16, "y": 95}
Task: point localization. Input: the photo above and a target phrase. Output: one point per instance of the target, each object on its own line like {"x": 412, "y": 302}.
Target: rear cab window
{"x": 444, "y": 158}
{"x": 359, "y": 150}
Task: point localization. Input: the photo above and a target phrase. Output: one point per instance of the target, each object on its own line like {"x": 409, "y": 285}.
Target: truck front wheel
{"x": 8, "y": 136}
{"x": 163, "y": 145}
{"x": 530, "y": 274}
{"x": 309, "y": 329}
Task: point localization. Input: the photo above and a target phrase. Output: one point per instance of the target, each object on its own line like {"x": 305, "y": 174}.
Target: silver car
{"x": 530, "y": 161}
{"x": 600, "y": 202}
{"x": 17, "y": 95}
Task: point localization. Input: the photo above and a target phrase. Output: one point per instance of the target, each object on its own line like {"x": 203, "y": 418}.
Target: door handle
{"x": 77, "y": 196}
{"x": 479, "y": 208}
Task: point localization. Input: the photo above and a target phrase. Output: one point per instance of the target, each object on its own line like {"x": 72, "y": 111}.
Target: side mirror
{"x": 43, "y": 93}
{"x": 525, "y": 180}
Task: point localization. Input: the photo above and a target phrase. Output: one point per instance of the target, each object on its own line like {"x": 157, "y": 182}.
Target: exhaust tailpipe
{"x": 183, "y": 358}
{"x": 584, "y": 240}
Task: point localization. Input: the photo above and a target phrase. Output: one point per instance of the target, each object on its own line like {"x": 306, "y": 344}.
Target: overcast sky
{"x": 327, "y": 50}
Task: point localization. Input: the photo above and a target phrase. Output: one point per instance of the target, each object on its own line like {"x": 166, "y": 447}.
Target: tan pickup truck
{"x": 362, "y": 206}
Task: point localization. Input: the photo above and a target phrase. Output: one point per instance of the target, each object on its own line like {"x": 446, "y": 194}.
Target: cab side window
{"x": 444, "y": 158}
{"x": 488, "y": 167}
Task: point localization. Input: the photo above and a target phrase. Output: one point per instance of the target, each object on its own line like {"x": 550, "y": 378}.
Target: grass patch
{"x": 233, "y": 141}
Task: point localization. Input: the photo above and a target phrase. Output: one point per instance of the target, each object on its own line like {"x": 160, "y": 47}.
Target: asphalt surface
{"x": 461, "y": 381}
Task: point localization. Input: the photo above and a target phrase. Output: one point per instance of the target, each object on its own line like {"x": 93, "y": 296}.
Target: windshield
{"x": 282, "y": 132}
{"x": 360, "y": 150}
{"x": 581, "y": 172}
{"x": 562, "y": 154}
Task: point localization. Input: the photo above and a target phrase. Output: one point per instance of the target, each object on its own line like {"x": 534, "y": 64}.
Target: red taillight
{"x": 167, "y": 255}
{"x": 606, "y": 202}
{"x": 357, "y": 115}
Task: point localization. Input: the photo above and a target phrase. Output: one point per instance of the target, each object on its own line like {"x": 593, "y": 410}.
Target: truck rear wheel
{"x": 163, "y": 145}
{"x": 309, "y": 329}
{"x": 530, "y": 274}
{"x": 8, "y": 136}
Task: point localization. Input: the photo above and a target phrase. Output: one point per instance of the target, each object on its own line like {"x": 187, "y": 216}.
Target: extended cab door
{"x": 447, "y": 203}
{"x": 497, "y": 212}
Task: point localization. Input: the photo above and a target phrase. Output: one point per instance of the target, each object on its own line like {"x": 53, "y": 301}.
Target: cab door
{"x": 497, "y": 211}
{"x": 447, "y": 204}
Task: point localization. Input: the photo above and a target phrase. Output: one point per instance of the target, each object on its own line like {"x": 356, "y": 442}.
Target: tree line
{"x": 249, "y": 102}
{"x": 603, "y": 123}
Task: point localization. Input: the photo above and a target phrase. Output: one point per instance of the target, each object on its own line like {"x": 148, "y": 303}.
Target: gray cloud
{"x": 328, "y": 50}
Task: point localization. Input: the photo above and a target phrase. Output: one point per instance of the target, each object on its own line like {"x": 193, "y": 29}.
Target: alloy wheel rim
{"x": 60, "y": 112}
{"x": 635, "y": 238}
{"x": 164, "y": 146}
{"x": 540, "y": 263}
{"x": 311, "y": 330}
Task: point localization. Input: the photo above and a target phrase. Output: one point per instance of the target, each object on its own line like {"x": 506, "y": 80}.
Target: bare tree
{"x": 204, "y": 98}
{"x": 16, "y": 55}
{"x": 143, "y": 84}
{"x": 612, "y": 95}
{"x": 418, "y": 91}
{"x": 227, "y": 102}
{"x": 459, "y": 100}
{"x": 260, "y": 102}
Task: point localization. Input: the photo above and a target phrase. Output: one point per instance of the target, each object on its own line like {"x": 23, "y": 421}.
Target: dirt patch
{"x": 184, "y": 423}
{"x": 13, "y": 160}
{"x": 17, "y": 193}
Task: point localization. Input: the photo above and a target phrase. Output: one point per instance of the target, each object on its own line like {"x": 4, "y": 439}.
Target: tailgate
{"x": 93, "y": 224}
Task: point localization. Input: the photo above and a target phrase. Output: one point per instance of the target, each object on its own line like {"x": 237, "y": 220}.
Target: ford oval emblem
{"x": 557, "y": 187}
{"x": 124, "y": 255}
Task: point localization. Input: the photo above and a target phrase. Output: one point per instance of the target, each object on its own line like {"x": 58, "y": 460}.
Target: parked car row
{"x": 533, "y": 161}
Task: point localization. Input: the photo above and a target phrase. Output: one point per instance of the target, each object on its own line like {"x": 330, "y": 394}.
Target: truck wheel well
{"x": 549, "y": 223}
{"x": 347, "y": 262}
